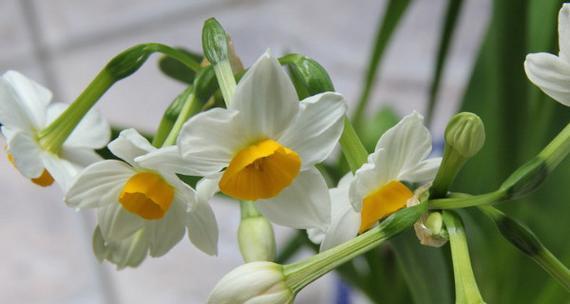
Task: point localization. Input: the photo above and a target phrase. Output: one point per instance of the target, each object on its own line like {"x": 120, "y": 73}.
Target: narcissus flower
{"x": 130, "y": 198}
{"x": 383, "y": 185}
{"x": 264, "y": 146}
{"x": 25, "y": 110}
{"x": 549, "y": 72}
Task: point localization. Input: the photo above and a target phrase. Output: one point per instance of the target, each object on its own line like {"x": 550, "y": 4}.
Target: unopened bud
{"x": 255, "y": 235}
{"x": 309, "y": 73}
{"x": 465, "y": 133}
{"x": 257, "y": 282}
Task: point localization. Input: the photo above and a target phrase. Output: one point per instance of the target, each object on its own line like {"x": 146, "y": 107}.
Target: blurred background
{"x": 46, "y": 248}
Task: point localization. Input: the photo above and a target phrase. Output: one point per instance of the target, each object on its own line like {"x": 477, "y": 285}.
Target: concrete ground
{"x": 46, "y": 254}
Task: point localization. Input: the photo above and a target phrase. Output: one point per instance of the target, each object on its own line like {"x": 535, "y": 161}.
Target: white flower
{"x": 25, "y": 110}
{"x": 129, "y": 197}
{"x": 257, "y": 282}
{"x": 266, "y": 143}
{"x": 549, "y": 72}
{"x": 381, "y": 186}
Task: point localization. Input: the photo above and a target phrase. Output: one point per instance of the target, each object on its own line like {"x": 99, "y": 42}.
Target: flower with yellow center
{"x": 264, "y": 146}
{"x": 549, "y": 72}
{"x": 25, "y": 110}
{"x": 381, "y": 186}
{"x": 147, "y": 207}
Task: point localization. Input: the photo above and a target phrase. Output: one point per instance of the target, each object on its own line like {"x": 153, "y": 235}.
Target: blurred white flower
{"x": 129, "y": 198}
{"x": 549, "y": 72}
{"x": 266, "y": 143}
{"x": 257, "y": 282}
{"x": 25, "y": 110}
{"x": 382, "y": 185}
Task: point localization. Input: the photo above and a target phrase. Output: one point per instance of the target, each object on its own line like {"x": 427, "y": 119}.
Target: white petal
{"x": 550, "y": 74}
{"x": 96, "y": 185}
{"x": 345, "y": 221}
{"x": 209, "y": 140}
{"x": 130, "y": 145}
{"x": 92, "y": 132}
{"x": 207, "y": 188}
{"x": 564, "y": 32}
{"x": 266, "y": 99}
{"x": 23, "y": 102}
{"x": 62, "y": 171}
{"x": 166, "y": 159}
{"x": 81, "y": 157}
{"x": 316, "y": 235}
{"x": 304, "y": 204}
{"x": 203, "y": 228}
{"x": 344, "y": 227}
{"x": 129, "y": 252}
{"x": 424, "y": 172}
{"x": 317, "y": 128}
{"x": 116, "y": 223}
{"x": 163, "y": 234}
{"x": 26, "y": 153}
{"x": 405, "y": 145}
{"x": 367, "y": 179}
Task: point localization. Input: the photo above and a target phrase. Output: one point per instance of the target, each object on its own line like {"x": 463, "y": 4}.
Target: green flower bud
{"x": 308, "y": 73}
{"x": 214, "y": 41}
{"x": 464, "y": 137}
{"x": 465, "y": 133}
{"x": 430, "y": 230}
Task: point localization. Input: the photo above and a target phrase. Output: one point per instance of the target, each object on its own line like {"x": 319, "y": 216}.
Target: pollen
{"x": 260, "y": 171}
{"x": 382, "y": 202}
{"x": 44, "y": 180}
{"x": 148, "y": 195}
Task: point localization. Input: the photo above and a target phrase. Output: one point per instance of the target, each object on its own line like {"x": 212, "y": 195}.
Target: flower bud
{"x": 255, "y": 235}
{"x": 465, "y": 134}
{"x": 214, "y": 41}
{"x": 308, "y": 73}
{"x": 257, "y": 282}
{"x": 256, "y": 239}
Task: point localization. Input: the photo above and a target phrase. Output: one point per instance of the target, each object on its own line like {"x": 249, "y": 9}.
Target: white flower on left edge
{"x": 147, "y": 200}
{"x": 25, "y": 110}
{"x": 264, "y": 147}
{"x": 383, "y": 185}
{"x": 549, "y": 72}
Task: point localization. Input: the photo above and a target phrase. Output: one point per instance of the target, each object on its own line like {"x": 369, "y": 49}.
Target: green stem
{"x": 451, "y": 163}
{"x": 302, "y": 273}
{"x": 352, "y": 147}
{"x": 121, "y": 66}
{"x": 557, "y": 149}
{"x": 248, "y": 209}
{"x": 466, "y": 290}
{"x": 467, "y": 200}
{"x": 226, "y": 80}
{"x": 528, "y": 243}
{"x": 191, "y": 107}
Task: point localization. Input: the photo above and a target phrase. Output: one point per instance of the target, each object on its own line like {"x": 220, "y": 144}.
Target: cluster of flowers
{"x": 262, "y": 147}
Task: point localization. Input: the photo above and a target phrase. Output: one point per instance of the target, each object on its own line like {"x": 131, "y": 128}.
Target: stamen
{"x": 382, "y": 202}
{"x": 148, "y": 195}
{"x": 260, "y": 171}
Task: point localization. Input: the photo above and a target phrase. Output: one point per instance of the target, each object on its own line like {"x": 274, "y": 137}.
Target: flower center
{"x": 260, "y": 171}
{"x": 148, "y": 195}
{"x": 382, "y": 202}
{"x": 44, "y": 180}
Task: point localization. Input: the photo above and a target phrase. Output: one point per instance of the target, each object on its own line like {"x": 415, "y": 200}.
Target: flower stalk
{"x": 121, "y": 66}
{"x": 299, "y": 275}
{"x": 526, "y": 242}
{"x": 466, "y": 290}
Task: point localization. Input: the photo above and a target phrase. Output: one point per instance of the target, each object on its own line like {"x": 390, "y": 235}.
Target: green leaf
{"x": 395, "y": 9}
{"x": 425, "y": 269}
{"x": 450, "y": 23}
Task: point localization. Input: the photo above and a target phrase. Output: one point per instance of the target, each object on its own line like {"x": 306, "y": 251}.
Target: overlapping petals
{"x": 265, "y": 107}
{"x": 25, "y": 110}
{"x": 101, "y": 184}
